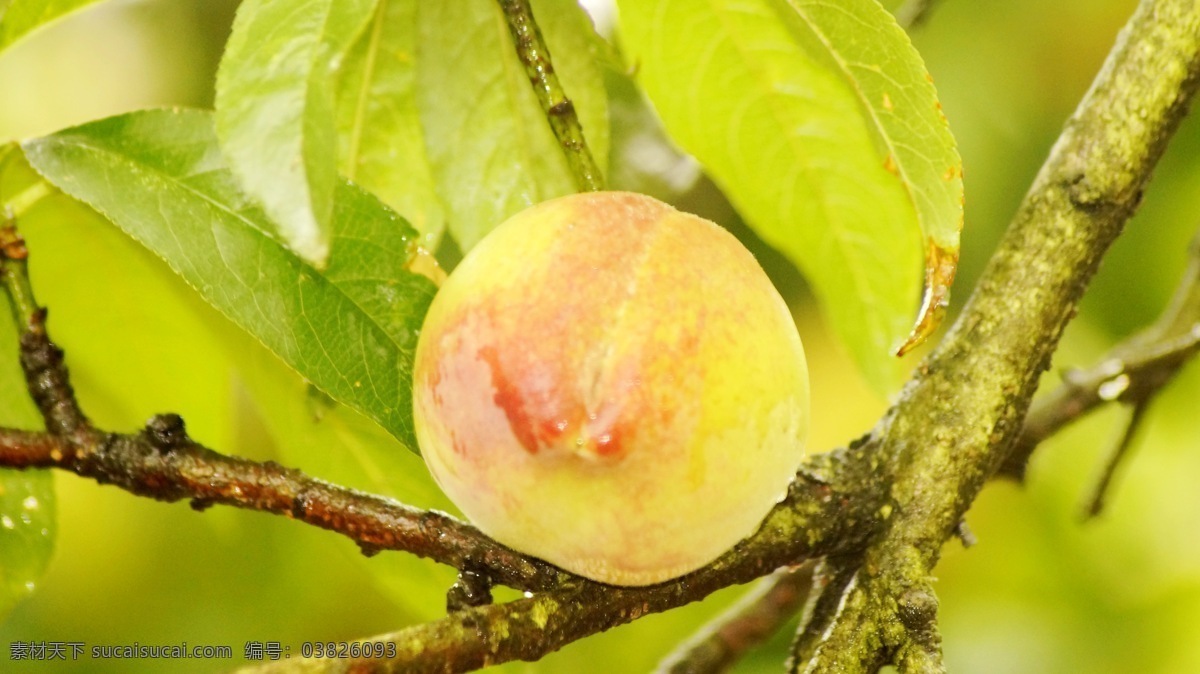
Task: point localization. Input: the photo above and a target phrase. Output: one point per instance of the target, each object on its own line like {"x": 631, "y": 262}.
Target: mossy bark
{"x": 962, "y": 412}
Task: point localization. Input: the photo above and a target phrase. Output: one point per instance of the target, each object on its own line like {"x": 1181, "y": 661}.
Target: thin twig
{"x": 1132, "y": 372}
{"x": 744, "y": 626}
{"x": 1120, "y": 450}
{"x": 45, "y": 374}
{"x": 560, "y": 111}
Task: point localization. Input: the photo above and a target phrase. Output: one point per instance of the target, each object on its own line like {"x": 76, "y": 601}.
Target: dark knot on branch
{"x": 166, "y": 432}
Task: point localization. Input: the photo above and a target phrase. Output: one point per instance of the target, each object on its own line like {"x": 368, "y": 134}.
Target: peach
{"x": 613, "y": 386}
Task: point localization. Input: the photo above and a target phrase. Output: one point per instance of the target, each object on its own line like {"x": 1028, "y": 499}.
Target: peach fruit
{"x": 613, "y": 386}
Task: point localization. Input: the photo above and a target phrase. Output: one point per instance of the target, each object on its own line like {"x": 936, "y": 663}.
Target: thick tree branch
{"x": 834, "y": 580}
{"x": 960, "y": 414}
{"x": 815, "y": 519}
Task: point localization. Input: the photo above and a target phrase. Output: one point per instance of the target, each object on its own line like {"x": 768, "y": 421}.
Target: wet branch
{"x": 559, "y": 110}
{"x": 162, "y": 463}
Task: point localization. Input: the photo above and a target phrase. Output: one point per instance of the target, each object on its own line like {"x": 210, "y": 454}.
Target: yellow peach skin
{"x": 613, "y": 386}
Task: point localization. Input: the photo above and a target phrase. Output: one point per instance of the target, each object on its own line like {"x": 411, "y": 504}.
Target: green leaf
{"x": 820, "y": 123}
{"x": 276, "y": 99}
{"x": 27, "y": 500}
{"x": 380, "y": 145}
{"x": 350, "y": 330}
{"x": 27, "y": 532}
{"x": 22, "y": 17}
{"x": 490, "y": 145}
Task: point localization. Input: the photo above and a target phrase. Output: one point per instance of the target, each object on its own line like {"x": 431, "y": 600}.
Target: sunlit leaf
{"x": 491, "y": 148}
{"x": 819, "y": 122}
{"x": 351, "y": 330}
{"x": 22, "y": 17}
{"x": 380, "y": 146}
{"x": 276, "y": 101}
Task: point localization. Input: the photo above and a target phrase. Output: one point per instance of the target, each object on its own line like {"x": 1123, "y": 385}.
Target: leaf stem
{"x": 560, "y": 111}
{"x": 27, "y": 198}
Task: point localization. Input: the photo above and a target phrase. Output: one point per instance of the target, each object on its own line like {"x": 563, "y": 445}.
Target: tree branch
{"x": 162, "y": 463}
{"x": 1132, "y": 372}
{"x": 816, "y": 519}
{"x": 45, "y": 376}
{"x": 1120, "y": 450}
{"x": 748, "y": 623}
{"x": 834, "y": 580}
{"x": 560, "y": 111}
{"x": 959, "y": 416}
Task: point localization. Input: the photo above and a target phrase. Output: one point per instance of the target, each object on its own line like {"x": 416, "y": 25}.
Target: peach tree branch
{"x": 817, "y": 518}
{"x": 725, "y": 639}
{"x": 558, "y": 108}
{"x": 162, "y": 463}
{"x": 957, "y": 419}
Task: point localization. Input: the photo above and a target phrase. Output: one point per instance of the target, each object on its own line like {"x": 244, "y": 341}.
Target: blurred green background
{"x": 1041, "y": 592}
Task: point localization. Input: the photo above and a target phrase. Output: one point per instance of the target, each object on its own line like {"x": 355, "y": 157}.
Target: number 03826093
{"x": 348, "y": 649}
